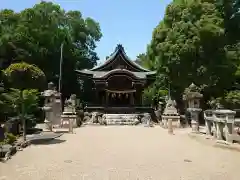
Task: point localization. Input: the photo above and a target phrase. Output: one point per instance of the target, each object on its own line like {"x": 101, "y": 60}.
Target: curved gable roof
{"x": 119, "y": 51}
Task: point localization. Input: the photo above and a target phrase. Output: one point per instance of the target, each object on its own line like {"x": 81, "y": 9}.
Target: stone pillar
{"x": 71, "y": 125}
{"x": 208, "y": 127}
{"x": 165, "y": 123}
{"x": 219, "y": 131}
{"x": 229, "y": 132}
{"x": 214, "y": 129}
{"x": 179, "y": 125}
{"x": 170, "y": 127}
{"x": 194, "y": 121}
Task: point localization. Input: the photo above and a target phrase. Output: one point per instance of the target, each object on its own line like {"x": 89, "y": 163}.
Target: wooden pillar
{"x": 107, "y": 94}
{"x": 131, "y": 98}
{"x": 97, "y": 96}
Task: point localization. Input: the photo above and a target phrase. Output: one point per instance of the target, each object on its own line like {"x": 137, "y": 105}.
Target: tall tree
{"x": 35, "y": 36}
{"x": 189, "y": 45}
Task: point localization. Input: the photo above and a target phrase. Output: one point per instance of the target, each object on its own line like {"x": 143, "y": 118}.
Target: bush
{"x": 25, "y": 76}
{"x": 9, "y": 138}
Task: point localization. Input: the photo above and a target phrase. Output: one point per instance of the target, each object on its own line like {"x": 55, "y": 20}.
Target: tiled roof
{"x": 101, "y": 74}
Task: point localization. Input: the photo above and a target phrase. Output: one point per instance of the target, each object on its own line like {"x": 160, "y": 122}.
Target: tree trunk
{"x": 22, "y": 115}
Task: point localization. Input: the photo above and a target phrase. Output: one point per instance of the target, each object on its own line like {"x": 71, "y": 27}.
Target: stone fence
{"x": 220, "y": 124}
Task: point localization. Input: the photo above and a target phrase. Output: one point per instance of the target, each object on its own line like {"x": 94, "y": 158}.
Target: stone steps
{"x": 121, "y": 119}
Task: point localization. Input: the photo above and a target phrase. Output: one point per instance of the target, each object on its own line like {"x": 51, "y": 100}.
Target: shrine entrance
{"x": 120, "y": 98}
{"x": 118, "y": 83}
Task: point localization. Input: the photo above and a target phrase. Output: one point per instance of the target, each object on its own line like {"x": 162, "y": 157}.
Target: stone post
{"x": 179, "y": 125}
{"x": 229, "y": 132}
{"x": 229, "y": 126}
{"x": 208, "y": 127}
{"x": 214, "y": 129}
{"x": 208, "y": 117}
{"x": 71, "y": 125}
{"x": 219, "y": 131}
{"x": 194, "y": 119}
{"x": 170, "y": 127}
{"x": 165, "y": 123}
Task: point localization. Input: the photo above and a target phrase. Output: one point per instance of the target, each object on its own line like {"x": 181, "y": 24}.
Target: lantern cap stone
{"x": 192, "y": 92}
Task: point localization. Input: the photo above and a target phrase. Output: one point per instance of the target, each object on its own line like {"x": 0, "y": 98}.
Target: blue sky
{"x": 128, "y": 22}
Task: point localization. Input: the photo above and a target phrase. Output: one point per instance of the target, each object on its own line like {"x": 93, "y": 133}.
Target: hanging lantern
{"x": 119, "y": 95}
{"x": 126, "y": 95}
{"x": 112, "y": 95}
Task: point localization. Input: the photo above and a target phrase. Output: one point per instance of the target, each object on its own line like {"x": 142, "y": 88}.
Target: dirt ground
{"x": 122, "y": 153}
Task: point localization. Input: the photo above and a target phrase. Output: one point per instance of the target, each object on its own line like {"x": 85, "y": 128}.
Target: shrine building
{"x": 118, "y": 83}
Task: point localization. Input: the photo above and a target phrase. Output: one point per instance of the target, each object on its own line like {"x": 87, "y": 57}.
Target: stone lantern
{"x": 192, "y": 96}
{"x": 170, "y": 114}
{"x": 52, "y": 106}
{"x": 69, "y": 116}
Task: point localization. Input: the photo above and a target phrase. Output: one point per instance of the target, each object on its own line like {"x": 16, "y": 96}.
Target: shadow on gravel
{"x": 47, "y": 142}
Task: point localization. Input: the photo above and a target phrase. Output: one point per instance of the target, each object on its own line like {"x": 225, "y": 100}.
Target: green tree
{"x": 24, "y": 76}
{"x": 35, "y": 35}
{"x": 189, "y": 45}
{"x": 142, "y": 60}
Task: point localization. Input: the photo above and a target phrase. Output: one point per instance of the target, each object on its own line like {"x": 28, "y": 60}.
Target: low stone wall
{"x": 221, "y": 125}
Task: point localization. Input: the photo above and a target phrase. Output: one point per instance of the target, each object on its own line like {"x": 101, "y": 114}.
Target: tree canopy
{"x": 193, "y": 43}
{"x": 35, "y": 35}
{"x": 25, "y": 76}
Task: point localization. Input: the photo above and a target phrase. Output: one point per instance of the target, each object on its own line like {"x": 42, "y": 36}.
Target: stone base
{"x": 121, "y": 119}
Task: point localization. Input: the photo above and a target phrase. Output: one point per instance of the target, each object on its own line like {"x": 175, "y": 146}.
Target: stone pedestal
{"x": 48, "y": 117}
{"x": 179, "y": 125}
{"x": 48, "y": 125}
{"x": 164, "y": 123}
{"x": 65, "y": 119}
{"x": 69, "y": 121}
{"x": 170, "y": 127}
{"x": 194, "y": 119}
{"x": 195, "y": 126}
{"x": 170, "y": 114}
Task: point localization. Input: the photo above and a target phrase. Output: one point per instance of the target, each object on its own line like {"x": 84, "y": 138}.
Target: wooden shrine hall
{"x": 119, "y": 82}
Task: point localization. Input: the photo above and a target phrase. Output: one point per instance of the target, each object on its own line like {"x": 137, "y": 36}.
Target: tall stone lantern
{"x": 193, "y": 96}
{"x": 52, "y": 107}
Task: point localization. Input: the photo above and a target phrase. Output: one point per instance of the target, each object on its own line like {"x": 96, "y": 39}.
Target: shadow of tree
{"x": 48, "y": 142}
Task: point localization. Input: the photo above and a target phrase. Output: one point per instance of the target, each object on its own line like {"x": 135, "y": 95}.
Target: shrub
{"x": 9, "y": 138}
{"x": 25, "y": 76}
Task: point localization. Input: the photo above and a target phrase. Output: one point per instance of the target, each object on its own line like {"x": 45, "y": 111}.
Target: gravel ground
{"x": 122, "y": 153}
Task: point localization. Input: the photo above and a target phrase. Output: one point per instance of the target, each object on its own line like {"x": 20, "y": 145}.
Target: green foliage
{"x": 143, "y": 61}
{"x": 153, "y": 94}
{"x": 30, "y": 100}
{"x": 9, "y": 138}
{"x": 148, "y": 96}
{"x": 25, "y": 76}
{"x": 12, "y": 102}
{"x": 192, "y": 44}
{"x": 35, "y": 35}
{"x": 232, "y": 99}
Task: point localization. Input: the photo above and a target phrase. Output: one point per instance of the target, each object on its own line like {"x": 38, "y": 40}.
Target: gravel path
{"x": 122, "y": 153}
